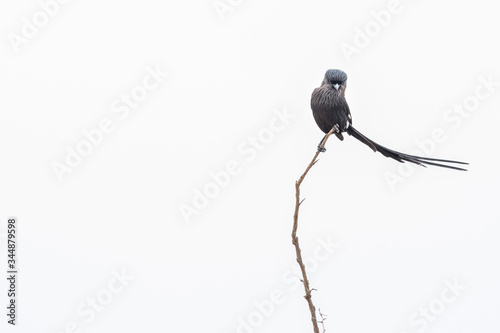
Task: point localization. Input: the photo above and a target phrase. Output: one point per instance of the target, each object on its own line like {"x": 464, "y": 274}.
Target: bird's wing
{"x": 344, "y": 114}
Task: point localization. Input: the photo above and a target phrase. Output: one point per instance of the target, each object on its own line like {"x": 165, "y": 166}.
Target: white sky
{"x": 234, "y": 76}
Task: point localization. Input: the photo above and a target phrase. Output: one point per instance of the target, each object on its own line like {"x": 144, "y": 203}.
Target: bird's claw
{"x": 321, "y": 149}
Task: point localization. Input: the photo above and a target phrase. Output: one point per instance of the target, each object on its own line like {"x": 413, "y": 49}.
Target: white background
{"x": 229, "y": 73}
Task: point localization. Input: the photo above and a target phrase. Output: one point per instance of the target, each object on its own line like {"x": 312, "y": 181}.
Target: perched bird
{"x": 330, "y": 109}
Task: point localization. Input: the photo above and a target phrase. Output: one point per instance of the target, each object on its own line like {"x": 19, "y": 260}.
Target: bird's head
{"x": 336, "y": 78}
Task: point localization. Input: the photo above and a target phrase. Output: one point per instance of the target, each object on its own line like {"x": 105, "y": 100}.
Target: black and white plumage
{"x": 330, "y": 108}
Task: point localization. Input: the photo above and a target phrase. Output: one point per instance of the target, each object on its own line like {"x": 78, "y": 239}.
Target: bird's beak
{"x": 336, "y": 86}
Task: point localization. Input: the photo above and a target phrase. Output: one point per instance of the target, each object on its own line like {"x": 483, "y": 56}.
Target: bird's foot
{"x": 336, "y": 128}
{"x": 321, "y": 149}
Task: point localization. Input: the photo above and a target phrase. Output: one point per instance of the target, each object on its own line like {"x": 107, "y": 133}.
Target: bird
{"x": 330, "y": 110}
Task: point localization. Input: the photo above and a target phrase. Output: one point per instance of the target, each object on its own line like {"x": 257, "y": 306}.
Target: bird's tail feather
{"x": 401, "y": 157}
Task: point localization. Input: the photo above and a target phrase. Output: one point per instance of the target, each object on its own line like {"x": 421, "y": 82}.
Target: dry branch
{"x": 295, "y": 239}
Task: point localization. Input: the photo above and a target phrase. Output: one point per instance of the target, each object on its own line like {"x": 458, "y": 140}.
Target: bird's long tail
{"x": 401, "y": 157}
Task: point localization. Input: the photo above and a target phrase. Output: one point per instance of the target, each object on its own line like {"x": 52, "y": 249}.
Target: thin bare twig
{"x": 295, "y": 239}
{"x": 322, "y": 321}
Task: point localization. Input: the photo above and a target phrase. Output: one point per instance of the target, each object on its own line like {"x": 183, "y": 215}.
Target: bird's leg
{"x": 321, "y": 148}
